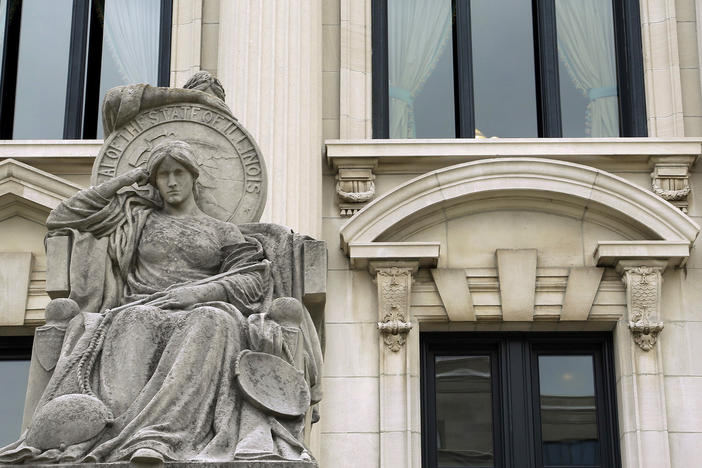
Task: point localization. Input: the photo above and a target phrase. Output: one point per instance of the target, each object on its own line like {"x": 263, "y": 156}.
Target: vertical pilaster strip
{"x": 398, "y": 389}
{"x": 659, "y": 37}
{"x": 270, "y": 63}
{"x": 355, "y": 107}
{"x": 644, "y": 424}
{"x": 186, "y": 40}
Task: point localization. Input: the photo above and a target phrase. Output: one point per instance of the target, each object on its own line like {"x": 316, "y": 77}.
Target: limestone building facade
{"x": 513, "y": 278}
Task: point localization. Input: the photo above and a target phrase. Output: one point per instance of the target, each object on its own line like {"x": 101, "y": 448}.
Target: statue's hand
{"x": 137, "y": 175}
{"x": 187, "y": 296}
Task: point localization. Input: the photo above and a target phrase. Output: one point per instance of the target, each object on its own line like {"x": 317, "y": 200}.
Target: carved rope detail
{"x": 356, "y": 197}
{"x": 670, "y": 180}
{"x": 394, "y": 289}
{"x": 671, "y": 195}
{"x": 643, "y": 289}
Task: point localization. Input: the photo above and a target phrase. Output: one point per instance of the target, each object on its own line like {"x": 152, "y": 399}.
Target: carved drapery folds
{"x": 643, "y": 285}
{"x": 394, "y": 287}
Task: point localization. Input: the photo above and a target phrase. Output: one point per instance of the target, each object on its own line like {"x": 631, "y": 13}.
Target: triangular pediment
{"x": 29, "y": 192}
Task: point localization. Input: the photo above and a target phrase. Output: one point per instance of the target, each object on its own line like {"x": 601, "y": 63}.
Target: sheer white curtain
{"x": 132, "y": 36}
{"x": 586, "y": 48}
{"x": 418, "y": 32}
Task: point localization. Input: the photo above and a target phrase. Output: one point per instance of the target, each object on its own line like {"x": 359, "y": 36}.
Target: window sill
{"x": 609, "y": 154}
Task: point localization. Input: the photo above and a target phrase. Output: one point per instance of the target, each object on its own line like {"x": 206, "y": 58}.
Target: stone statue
{"x": 185, "y": 342}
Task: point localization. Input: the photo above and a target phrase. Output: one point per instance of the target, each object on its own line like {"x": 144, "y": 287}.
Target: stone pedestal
{"x": 185, "y": 464}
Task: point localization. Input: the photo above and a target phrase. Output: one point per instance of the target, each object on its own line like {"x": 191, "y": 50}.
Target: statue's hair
{"x": 203, "y": 80}
{"x": 178, "y": 150}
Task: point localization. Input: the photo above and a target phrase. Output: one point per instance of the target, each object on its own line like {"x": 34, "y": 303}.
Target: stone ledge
{"x": 187, "y": 464}
{"x": 420, "y": 155}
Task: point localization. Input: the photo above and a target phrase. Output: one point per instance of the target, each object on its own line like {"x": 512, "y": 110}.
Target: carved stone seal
{"x": 232, "y": 183}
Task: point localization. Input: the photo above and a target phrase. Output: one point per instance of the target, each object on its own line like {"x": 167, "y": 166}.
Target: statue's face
{"x": 174, "y": 182}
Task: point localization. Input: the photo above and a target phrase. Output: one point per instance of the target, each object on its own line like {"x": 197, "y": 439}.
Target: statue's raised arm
{"x": 188, "y": 339}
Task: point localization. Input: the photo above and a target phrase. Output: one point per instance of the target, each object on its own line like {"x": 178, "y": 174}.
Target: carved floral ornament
{"x": 394, "y": 285}
{"x": 643, "y": 285}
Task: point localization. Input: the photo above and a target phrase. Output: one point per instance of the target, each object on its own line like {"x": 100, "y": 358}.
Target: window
{"x": 507, "y": 68}
{"x": 59, "y": 57}
{"x": 518, "y": 400}
{"x": 15, "y": 353}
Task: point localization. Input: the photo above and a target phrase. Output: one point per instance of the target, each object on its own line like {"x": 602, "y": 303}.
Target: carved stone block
{"x": 643, "y": 291}
{"x": 394, "y": 282}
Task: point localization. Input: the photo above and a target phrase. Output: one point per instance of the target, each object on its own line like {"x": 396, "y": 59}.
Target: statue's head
{"x": 206, "y": 82}
{"x": 173, "y": 170}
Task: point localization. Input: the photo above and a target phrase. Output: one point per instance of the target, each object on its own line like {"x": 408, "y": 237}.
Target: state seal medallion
{"x": 232, "y": 182}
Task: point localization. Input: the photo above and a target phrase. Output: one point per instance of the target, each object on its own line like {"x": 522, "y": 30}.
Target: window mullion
{"x": 379, "y": 59}
{"x": 630, "y": 73}
{"x": 463, "y": 70}
{"x": 164, "y": 46}
{"x": 519, "y": 412}
{"x": 76, "y": 70}
{"x": 8, "y": 69}
{"x": 94, "y": 64}
{"x": 547, "y": 80}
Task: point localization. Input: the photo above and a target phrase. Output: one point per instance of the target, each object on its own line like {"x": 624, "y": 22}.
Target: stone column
{"x": 640, "y": 384}
{"x": 398, "y": 367}
{"x": 270, "y": 63}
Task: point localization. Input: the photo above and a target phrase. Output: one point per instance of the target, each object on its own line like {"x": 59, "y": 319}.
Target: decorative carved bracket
{"x": 670, "y": 179}
{"x": 643, "y": 294}
{"x": 394, "y": 280}
{"x": 355, "y": 184}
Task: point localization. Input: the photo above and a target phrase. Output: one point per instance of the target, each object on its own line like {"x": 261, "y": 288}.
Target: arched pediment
{"x": 522, "y": 183}
{"x": 30, "y": 192}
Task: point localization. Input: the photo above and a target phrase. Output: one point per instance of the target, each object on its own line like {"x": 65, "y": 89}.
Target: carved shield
{"x": 47, "y": 345}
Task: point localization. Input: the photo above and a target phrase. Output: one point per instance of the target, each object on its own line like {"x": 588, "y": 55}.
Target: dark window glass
{"x": 13, "y": 387}
{"x": 130, "y": 47}
{"x": 42, "y": 69}
{"x": 514, "y": 400}
{"x": 503, "y": 68}
{"x": 587, "y": 68}
{"x": 15, "y": 352}
{"x": 464, "y": 411}
{"x": 420, "y": 69}
{"x": 568, "y": 411}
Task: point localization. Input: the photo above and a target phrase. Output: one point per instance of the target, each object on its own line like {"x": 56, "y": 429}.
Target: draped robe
{"x": 166, "y": 375}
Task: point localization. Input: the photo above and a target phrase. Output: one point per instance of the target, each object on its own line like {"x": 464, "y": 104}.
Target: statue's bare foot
{"x": 146, "y": 455}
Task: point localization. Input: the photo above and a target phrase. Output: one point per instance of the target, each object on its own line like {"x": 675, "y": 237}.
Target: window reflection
{"x": 587, "y": 68}
{"x": 464, "y": 411}
{"x": 568, "y": 411}
{"x": 420, "y": 69}
{"x": 13, "y": 387}
{"x": 130, "y": 48}
{"x": 503, "y": 68}
{"x": 42, "y": 69}
{"x": 3, "y": 8}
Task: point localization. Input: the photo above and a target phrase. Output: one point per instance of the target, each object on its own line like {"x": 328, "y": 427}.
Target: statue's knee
{"x": 212, "y": 317}
{"x": 61, "y": 311}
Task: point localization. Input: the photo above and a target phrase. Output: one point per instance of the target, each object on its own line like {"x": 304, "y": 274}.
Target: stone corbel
{"x": 643, "y": 295}
{"x": 670, "y": 178}
{"x": 355, "y": 184}
{"x": 394, "y": 280}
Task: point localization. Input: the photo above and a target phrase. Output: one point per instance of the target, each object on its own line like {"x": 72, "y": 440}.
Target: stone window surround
{"x": 643, "y": 432}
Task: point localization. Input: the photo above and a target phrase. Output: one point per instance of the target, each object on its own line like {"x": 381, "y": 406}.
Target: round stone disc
{"x": 272, "y": 384}
{"x": 232, "y": 183}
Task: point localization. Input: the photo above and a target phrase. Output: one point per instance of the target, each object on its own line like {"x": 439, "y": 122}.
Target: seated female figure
{"x": 180, "y": 285}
